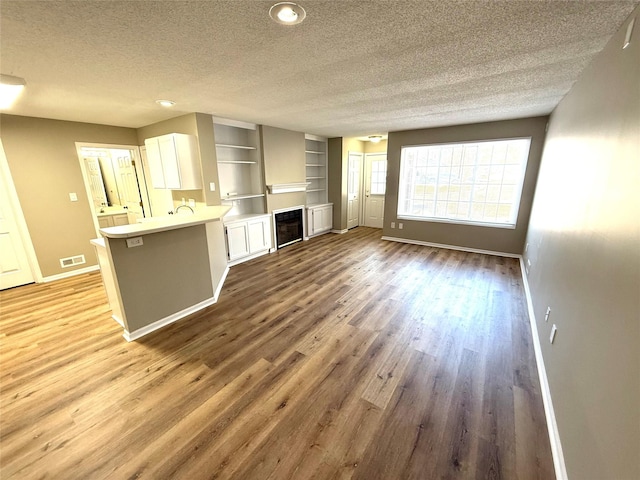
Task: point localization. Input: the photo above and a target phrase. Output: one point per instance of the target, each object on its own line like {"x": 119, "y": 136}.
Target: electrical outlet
{"x": 73, "y": 197}
{"x": 393, "y": 224}
{"x": 212, "y": 186}
{"x": 400, "y": 226}
{"x": 134, "y": 242}
{"x": 192, "y": 202}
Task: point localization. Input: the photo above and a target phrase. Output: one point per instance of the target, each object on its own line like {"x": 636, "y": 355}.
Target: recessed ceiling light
{"x": 287, "y": 13}
{"x": 165, "y": 103}
{"x": 375, "y": 138}
{"x": 10, "y": 89}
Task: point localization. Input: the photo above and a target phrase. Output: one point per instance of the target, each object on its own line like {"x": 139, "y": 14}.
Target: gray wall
{"x": 584, "y": 246}
{"x": 284, "y": 162}
{"x": 483, "y": 238}
{"x": 44, "y": 164}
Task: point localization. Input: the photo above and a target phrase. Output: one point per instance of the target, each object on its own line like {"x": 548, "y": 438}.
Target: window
{"x": 378, "y": 176}
{"x": 478, "y": 183}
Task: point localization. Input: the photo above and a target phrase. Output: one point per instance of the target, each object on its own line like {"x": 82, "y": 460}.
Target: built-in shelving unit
{"x": 316, "y": 169}
{"x": 239, "y": 168}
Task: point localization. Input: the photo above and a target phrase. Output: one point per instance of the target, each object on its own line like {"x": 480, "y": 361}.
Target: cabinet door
{"x": 327, "y": 217}
{"x": 237, "y": 240}
{"x": 105, "y": 222}
{"x": 169, "y": 157}
{"x": 155, "y": 162}
{"x": 120, "y": 220}
{"x": 259, "y": 234}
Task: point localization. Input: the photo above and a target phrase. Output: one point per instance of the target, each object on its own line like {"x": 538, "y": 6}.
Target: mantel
{"x": 288, "y": 187}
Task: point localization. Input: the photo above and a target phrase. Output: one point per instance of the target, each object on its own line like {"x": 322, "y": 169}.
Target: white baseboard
{"x": 216, "y": 294}
{"x": 450, "y": 247}
{"x": 340, "y": 231}
{"x": 72, "y": 273}
{"x": 246, "y": 259}
{"x": 552, "y": 425}
{"x": 163, "y": 322}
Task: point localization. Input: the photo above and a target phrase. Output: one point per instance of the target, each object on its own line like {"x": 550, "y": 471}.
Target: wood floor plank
{"x": 342, "y": 357}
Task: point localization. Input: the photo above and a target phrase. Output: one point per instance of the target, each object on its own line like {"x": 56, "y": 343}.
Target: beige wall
{"x": 338, "y": 163}
{"x": 584, "y": 246}
{"x": 284, "y": 162}
{"x": 42, "y": 157}
{"x": 200, "y": 125}
{"x": 469, "y": 236}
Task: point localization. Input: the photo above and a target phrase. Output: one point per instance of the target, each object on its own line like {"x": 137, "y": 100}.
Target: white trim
{"x": 163, "y": 322}
{"x": 234, "y": 123}
{"x": 340, "y": 232}
{"x": 288, "y": 187}
{"x": 552, "y": 425}
{"x": 250, "y": 257}
{"x": 216, "y": 294}
{"x": 451, "y": 247}
{"x": 316, "y": 138}
{"x": 72, "y": 273}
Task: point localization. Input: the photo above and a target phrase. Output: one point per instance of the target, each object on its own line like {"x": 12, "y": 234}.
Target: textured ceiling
{"x": 351, "y": 68}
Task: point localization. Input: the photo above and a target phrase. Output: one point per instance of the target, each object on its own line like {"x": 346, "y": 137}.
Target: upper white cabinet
{"x": 239, "y": 167}
{"x": 173, "y": 162}
{"x": 316, "y": 169}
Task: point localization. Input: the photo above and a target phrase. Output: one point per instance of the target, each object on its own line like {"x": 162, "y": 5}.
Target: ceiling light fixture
{"x": 165, "y": 103}
{"x": 375, "y": 138}
{"x": 287, "y": 13}
{"x": 10, "y": 89}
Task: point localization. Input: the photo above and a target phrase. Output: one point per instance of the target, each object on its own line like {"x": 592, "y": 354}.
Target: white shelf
{"x": 238, "y": 162}
{"x": 314, "y": 152}
{"x": 240, "y": 147}
{"x": 316, "y": 178}
{"x": 315, "y": 165}
{"x": 242, "y": 196}
{"x": 315, "y": 189}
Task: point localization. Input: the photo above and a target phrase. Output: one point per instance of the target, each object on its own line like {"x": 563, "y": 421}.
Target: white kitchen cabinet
{"x": 173, "y": 162}
{"x": 248, "y": 236}
{"x": 115, "y": 220}
{"x": 319, "y": 219}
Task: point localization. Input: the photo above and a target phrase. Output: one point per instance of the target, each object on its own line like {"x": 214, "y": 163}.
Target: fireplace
{"x": 289, "y": 226}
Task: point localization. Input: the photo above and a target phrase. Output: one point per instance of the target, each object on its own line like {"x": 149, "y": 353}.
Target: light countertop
{"x": 165, "y": 223}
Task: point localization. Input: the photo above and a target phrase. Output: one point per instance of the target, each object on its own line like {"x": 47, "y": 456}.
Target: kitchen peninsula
{"x": 162, "y": 270}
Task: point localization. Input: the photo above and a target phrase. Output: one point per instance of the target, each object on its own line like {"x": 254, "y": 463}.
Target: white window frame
{"x": 453, "y": 220}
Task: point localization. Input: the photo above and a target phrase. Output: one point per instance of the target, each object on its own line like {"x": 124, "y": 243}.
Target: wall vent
{"x": 72, "y": 261}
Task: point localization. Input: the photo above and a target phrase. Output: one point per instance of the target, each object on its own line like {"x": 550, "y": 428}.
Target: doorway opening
{"x": 115, "y": 184}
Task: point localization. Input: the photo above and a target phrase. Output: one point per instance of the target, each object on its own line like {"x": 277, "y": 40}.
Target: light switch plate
{"x": 552, "y": 337}
{"x": 73, "y": 197}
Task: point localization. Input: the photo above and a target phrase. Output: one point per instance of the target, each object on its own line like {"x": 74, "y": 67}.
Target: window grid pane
{"x": 468, "y": 182}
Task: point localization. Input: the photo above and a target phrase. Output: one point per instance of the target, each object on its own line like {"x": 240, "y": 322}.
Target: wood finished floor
{"x": 342, "y": 357}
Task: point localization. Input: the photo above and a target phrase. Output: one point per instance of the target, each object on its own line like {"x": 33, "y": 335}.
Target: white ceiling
{"x": 352, "y": 68}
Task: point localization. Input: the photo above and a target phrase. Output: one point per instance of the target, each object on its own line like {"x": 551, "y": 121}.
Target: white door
{"x": 127, "y": 180}
{"x": 96, "y": 183}
{"x": 375, "y": 183}
{"x": 14, "y": 262}
{"x": 353, "y": 189}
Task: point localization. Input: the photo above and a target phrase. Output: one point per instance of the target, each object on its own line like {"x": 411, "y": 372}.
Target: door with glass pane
{"x": 353, "y": 189}
{"x": 375, "y": 182}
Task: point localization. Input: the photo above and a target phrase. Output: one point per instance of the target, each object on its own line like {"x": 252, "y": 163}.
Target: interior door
{"x": 127, "y": 180}
{"x": 14, "y": 261}
{"x": 353, "y": 189}
{"x": 375, "y": 183}
{"x": 96, "y": 183}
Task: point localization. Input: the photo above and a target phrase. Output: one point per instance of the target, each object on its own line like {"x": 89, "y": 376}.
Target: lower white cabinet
{"x": 319, "y": 219}
{"x": 115, "y": 220}
{"x": 248, "y": 236}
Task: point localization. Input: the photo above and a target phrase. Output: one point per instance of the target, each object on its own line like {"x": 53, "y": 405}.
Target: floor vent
{"x": 72, "y": 261}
